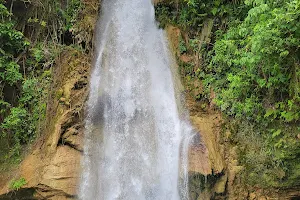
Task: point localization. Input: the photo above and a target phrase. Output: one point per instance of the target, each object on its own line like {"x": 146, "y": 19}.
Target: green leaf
{"x": 284, "y": 53}
{"x": 269, "y": 112}
{"x": 43, "y": 23}
{"x": 214, "y": 11}
{"x": 276, "y": 133}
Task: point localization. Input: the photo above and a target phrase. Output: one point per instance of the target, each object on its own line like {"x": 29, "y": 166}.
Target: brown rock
{"x": 63, "y": 171}
{"x": 74, "y": 138}
{"x": 206, "y": 125}
{"x": 199, "y": 160}
{"x": 31, "y": 168}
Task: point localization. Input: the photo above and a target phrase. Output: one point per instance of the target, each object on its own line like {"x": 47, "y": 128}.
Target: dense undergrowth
{"x": 33, "y": 34}
{"x": 250, "y": 70}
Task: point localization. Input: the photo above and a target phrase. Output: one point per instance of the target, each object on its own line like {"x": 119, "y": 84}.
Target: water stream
{"x": 136, "y": 139}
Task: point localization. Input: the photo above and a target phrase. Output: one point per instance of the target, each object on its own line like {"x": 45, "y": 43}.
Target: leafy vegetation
{"x": 250, "y": 69}
{"x": 190, "y": 15}
{"x": 256, "y": 64}
{"x": 32, "y": 36}
{"x": 17, "y": 184}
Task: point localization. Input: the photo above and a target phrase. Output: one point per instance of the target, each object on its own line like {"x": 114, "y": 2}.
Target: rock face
{"x": 206, "y": 158}
{"x": 207, "y": 168}
{"x": 62, "y": 174}
{"x": 52, "y": 170}
{"x": 207, "y": 124}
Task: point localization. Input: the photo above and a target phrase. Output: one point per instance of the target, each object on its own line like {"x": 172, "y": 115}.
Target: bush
{"x": 256, "y": 64}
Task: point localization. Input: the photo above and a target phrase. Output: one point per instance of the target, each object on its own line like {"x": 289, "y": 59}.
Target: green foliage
{"x": 11, "y": 44}
{"x": 190, "y": 14}
{"x": 43, "y": 55}
{"x": 48, "y": 20}
{"x": 31, "y": 40}
{"x": 256, "y": 64}
{"x": 17, "y": 184}
{"x": 20, "y": 117}
{"x": 268, "y": 155}
{"x": 182, "y": 46}
{"x": 16, "y": 123}
{"x": 9, "y": 71}
{"x": 252, "y": 65}
{"x": 24, "y": 121}
{"x": 71, "y": 13}
{"x": 255, "y": 74}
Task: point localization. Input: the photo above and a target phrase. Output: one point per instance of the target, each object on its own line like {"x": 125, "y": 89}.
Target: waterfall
{"x": 135, "y": 139}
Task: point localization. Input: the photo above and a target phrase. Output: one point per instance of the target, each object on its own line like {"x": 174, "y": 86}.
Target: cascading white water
{"x": 135, "y": 141}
